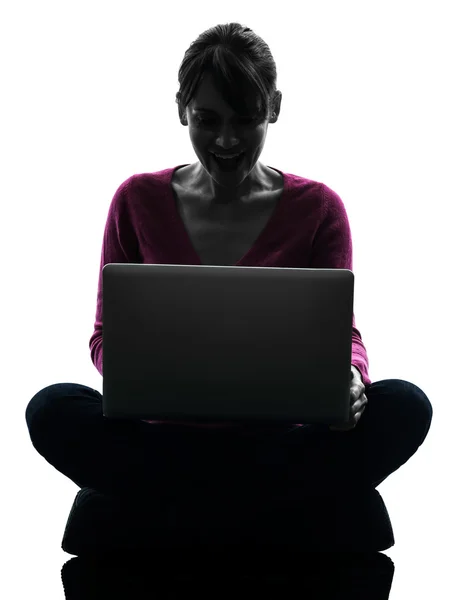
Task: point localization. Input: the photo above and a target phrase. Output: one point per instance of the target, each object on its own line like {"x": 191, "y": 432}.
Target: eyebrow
{"x": 207, "y": 110}
{"x": 210, "y": 111}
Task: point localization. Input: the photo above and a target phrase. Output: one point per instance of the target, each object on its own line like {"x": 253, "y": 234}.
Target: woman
{"x": 228, "y": 208}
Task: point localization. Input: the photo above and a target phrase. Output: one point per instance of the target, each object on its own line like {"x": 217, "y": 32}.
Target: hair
{"x": 240, "y": 63}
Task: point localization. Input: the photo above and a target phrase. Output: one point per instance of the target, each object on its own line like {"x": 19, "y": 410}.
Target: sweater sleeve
{"x": 332, "y": 249}
{"x": 120, "y": 245}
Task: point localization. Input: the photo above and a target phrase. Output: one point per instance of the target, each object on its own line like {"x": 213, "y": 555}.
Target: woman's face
{"x": 215, "y": 128}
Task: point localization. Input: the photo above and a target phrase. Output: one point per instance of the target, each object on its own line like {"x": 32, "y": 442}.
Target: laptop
{"x": 206, "y": 343}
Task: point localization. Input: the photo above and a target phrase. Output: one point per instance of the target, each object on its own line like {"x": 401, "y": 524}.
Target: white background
{"x": 88, "y": 99}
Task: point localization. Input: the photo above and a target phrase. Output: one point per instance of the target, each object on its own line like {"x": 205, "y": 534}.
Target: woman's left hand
{"x": 358, "y": 402}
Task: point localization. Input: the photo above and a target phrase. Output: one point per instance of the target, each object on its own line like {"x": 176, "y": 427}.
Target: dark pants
{"x": 130, "y": 458}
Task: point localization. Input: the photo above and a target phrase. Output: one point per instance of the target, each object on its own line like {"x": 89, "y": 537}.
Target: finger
{"x": 361, "y": 403}
{"x": 357, "y": 394}
{"x": 354, "y": 418}
{"x": 357, "y": 410}
{"x": 359, "y": 414}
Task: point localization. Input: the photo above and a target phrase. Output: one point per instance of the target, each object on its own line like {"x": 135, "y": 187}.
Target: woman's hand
{"x": 358, "y": 402}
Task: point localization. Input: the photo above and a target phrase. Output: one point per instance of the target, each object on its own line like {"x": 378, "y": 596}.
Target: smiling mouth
{"x": 228, "y": 164}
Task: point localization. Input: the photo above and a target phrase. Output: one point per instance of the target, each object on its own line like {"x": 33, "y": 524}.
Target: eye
{"x": 210, "y": 121}
{"x": 202, "y": 121}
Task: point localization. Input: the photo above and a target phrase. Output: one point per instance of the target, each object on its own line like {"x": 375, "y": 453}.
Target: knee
{"x": 44, "y": 402}
{"x": 415, "y": 407}
{"x": 40, "y": 402}
{"x": 420, "y": 402}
